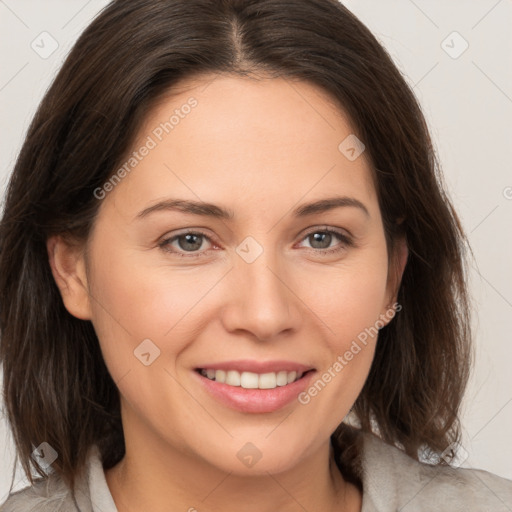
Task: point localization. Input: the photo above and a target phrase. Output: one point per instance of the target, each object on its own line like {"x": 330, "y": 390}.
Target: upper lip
{"x": 250, "y": 365}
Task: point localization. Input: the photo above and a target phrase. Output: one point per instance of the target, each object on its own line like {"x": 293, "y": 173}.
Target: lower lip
{"x": 255, "y": 400}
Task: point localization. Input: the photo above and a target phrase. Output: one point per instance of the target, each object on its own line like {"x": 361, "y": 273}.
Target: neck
{"x": 156, "y": 476}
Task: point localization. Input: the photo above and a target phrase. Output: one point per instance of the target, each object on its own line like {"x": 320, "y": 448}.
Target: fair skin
{"x": 260, "y": 149}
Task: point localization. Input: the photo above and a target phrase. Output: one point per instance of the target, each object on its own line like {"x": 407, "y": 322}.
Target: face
{"x": 242, "y": 244}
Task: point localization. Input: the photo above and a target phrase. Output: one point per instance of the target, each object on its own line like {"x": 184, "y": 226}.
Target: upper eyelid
{"x": 331, "y": 229}
{"x": 308, "y": 231}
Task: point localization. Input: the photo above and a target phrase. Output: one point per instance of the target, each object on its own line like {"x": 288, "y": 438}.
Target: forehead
{"x": 225, "y": 138}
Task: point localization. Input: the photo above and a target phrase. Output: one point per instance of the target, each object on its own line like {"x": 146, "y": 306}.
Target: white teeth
{"x": 250, "y": 380}
{"x": 268, "y": 381}
{"x": 282, "y": 378}
{"x": 292, "y": 376}
{"x": 232, "y": 378}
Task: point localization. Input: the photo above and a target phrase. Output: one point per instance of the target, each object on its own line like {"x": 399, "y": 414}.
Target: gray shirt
{"x": 392, "y": 481}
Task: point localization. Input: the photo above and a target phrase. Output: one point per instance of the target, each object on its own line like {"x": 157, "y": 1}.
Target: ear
{"x": 68, "y": 268}
{"x": 397, "y": 263}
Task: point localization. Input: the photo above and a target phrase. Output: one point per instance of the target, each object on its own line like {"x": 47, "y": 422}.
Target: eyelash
{"x": 346, "y": 241}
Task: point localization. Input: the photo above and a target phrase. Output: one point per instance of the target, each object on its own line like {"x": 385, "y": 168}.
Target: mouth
{"x": 253, "y": 387}
{"x": 251, "y": 380}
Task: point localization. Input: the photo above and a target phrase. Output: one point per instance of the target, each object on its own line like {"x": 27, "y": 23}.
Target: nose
{"x": 263, "y": 302}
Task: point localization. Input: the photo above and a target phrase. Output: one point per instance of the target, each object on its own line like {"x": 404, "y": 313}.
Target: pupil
{"x": 323, "y": 238}
{"x": 192, "y": 242}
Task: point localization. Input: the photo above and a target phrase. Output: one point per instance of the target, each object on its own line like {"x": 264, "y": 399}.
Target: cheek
{"x": 140, "y": 299}
{"x": 349, "y": 298}
{"x": 350, "y": 303}
{"x": 132, "y": 303}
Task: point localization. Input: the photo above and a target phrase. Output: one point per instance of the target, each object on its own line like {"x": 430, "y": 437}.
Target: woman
{"x": 229, "y": 276}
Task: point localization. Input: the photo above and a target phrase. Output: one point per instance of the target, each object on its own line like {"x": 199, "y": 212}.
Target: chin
{"x": 255, "y": 458}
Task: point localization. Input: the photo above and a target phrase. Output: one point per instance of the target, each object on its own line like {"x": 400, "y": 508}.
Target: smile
{"x": 252, "y": 386}
{"x": 250, "y": 380}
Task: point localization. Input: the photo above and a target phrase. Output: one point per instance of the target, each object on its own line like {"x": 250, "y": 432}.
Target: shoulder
{"x": 51, "y": 494}
{"x": 45, "y": 495}
{"x": 394, "y": 481}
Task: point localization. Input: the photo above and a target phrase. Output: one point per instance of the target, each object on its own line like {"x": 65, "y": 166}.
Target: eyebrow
{"x": 215, "y": 211}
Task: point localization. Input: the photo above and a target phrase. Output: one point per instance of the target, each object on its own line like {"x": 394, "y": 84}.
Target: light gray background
{"x": 468, "y": 104}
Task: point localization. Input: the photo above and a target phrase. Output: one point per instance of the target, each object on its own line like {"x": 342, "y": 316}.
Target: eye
{"x": 321, "y": 240}
{"x": 188, "y": 242}
{"x": 196, "y": 243}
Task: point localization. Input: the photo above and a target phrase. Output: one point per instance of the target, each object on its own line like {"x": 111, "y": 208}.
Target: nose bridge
{"x": 262, "y": 302}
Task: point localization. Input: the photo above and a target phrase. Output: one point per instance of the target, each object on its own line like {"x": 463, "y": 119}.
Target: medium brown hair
{"x": 57, "y": 388}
